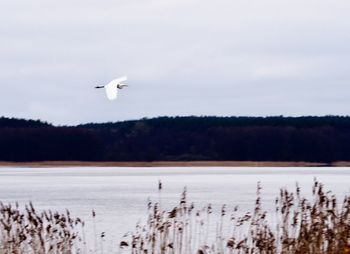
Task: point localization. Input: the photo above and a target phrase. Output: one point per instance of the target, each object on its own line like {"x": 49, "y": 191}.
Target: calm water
{"x": 119, "y": 195}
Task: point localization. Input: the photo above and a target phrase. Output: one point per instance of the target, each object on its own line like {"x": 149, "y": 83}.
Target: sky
{"x": 182, "y": 57}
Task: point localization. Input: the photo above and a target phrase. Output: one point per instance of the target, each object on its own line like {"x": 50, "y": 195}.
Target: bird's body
{"x": 113, "y": 86}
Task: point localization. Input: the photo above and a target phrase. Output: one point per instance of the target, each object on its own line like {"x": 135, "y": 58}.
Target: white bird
{"x": 113, "y": 86}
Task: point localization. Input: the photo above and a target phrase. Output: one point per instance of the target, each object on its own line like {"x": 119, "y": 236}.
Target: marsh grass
{"x": 29, "y": 231}
{"x": 319, "y": 225}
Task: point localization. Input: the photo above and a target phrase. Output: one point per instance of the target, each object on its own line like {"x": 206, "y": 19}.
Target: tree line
{"x": 309, "y": 138}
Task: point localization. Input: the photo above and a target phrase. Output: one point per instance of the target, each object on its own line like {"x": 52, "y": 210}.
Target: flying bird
{"x": 113, "y": 86}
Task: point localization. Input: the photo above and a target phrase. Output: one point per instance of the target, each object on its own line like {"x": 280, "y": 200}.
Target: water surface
{"x": 119, "y": 195}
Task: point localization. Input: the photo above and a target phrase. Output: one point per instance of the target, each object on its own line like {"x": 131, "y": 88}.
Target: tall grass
{"x": 29, "y": 231}
{"x": 319, "y": 225}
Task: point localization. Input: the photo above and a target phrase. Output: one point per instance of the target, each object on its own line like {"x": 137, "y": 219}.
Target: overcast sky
{"x": 182, "y": 57}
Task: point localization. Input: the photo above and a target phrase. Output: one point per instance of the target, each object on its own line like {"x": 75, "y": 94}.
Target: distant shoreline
{"x": 173, "y": 164}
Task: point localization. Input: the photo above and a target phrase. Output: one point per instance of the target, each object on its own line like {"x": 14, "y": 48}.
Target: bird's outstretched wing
{"x": 111, "y": 87}
{"x": 118, "y": 80}
{"x": 111, "y": 91}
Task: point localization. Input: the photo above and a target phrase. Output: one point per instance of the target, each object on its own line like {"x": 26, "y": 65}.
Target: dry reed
{"x": 302, "y": 226}
{"x": 29, "y": 231}
{"x": 319, "y": 225}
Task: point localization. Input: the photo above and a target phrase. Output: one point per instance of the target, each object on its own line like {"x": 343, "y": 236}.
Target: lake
{"x": 119, "y": 195}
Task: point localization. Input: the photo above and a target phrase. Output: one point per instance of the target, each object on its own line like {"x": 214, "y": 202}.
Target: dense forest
{"x": 314, "y": 139}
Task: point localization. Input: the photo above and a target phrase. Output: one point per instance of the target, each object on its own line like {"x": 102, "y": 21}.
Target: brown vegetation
{"x": 35, "y": 232}
{"x": 320, "y": 225}
{"x": 170, "y": 164}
